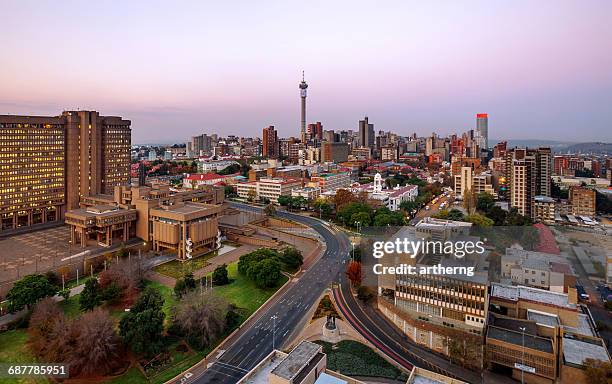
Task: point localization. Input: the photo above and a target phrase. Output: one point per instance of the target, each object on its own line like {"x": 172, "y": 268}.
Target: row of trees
{"x": 361, "y": 214}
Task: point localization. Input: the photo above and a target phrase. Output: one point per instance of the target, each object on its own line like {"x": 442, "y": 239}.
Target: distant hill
{"x": 595, "y": 148}
{"x": 598, "y": 148}
{"x": 535, "y": 143}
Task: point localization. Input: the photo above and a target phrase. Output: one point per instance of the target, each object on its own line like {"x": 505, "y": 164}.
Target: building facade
{"x": 47, "y": 163}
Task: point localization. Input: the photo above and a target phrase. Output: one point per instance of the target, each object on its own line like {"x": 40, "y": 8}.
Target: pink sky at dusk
{"x": 542, "y": 70}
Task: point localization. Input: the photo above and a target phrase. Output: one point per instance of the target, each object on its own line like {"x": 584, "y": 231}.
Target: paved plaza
{"x": 37, "y": 251}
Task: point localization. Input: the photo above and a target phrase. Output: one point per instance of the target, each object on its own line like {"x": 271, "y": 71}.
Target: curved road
{"x": 254, "y": 343}
{"x": 248, "y": 347}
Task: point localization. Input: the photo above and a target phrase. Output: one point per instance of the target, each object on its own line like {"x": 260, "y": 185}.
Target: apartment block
{"x": 331, "y": 181}
{"x": 48, "y": 163}
{"x": 582, "y": 201}
{"x": 466, "y": 180}
{"x": 544, "y": 209}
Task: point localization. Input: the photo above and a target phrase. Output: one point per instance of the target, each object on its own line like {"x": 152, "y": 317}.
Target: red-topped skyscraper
{"x": 482, "y": 126}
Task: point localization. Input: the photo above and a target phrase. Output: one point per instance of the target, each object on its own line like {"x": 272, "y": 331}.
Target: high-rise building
{"x": 334, "y": 152}
{"x": 315, "y": 131}
{"x": 303, "y": 86}
{"x": 482, "y": 126}
{"x": 366, "y": 133}
{"x": 270, "y": 142}
{"x": 528, "y": 172}
{"x": 47, "y": 163}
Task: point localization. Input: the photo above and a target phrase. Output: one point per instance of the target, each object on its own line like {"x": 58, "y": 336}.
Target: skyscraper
{"x": 303, "y": 87}
{"x": 366, "y": 133}
{"x": 270, "y": 143}
{"x": 482, "y": 126}
{"x": 528, "y": 172}
{"x": 47, "y": 163}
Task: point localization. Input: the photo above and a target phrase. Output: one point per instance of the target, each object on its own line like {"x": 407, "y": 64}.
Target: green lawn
{"x": 71, "y": 307}
{"x": 243, "y": 292}
{"x": 177, "y": 269}
{"x": 13, "y": 349}
{"x": 352, "y": 358}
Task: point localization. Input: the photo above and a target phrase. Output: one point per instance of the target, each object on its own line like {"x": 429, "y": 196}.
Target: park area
{"x": 241, "y": 294}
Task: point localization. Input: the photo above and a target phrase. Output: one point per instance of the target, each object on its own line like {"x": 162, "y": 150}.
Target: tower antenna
{"x": 302, "y": 75}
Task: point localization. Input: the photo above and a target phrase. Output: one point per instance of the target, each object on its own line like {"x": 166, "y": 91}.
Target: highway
{"x": 250, "y": 345}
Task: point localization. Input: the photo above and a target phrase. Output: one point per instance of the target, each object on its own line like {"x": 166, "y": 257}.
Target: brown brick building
{"x": 47, "y": 163}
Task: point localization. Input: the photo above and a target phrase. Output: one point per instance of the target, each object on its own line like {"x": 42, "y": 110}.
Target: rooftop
{"x": 297, "y": 359}
{"x": 329, "y": 379}
{"x": 576, "y": 351}
{"x": 423, "y": 376}
{"x": 515, "y": 293}
{"x": 517, "y": 338}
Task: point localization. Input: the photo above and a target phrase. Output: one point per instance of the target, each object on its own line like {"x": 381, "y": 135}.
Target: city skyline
{"x": 539, "y": 71}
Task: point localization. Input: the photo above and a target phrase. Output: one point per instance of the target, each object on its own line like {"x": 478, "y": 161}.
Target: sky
{"x": 540, "y": 69}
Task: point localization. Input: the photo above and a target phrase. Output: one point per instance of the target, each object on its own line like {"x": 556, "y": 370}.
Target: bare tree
{"x": 97, "y": 346}
{"x": 201, "y": 318}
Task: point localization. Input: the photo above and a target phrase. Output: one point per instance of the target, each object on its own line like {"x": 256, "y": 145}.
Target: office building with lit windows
{"x": 48, "y": 163}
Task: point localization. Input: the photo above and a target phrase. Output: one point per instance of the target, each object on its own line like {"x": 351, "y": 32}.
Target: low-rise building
{"x": 270, "y": 188}
{"x": 537, "y": 269}
{"x": 305, "y": 364}
{"x": 582, "y": 201}
{"x": 331, "y": 181}
{"x": 309, "y": 193}
{"x": 541, "y": 336}
{"x": 423, "y": 376}
{"x": 544, "y": 209}
{"x": 467, "y": 180}
{"x": 185, "y": 228}
{"x": 167, "y": 218}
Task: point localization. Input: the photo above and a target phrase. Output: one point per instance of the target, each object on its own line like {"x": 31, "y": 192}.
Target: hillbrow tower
{"x": 303, "y": 87}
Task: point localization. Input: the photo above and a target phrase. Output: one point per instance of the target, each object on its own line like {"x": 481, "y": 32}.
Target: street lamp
{"x": 274, "y": 317}
{"x": 358, "y": 223}
{"x": 523, "y": 355}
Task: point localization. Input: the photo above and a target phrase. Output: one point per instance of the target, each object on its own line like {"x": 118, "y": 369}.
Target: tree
{"x": 141, "y": 328}
{"x": 408, "y": 206}
{"x": 190, "y": 282}
{"x": 469, "y": 201}
{"x": 342, "y": 198}
{"x": 87, "y": 344}
{"x": 597, "y": 371}
{"x": 201, "y": 318}
{"x": 291, "y": 258}
{"x": 97, "y": 348}
{"x": 270, "y": 210}
{"x": 29, "y": 291}
{"x": 497, "y": 214}
{"x": 229, "y": 191}
{"x": 353, "y": 272}
{"x": 484, "y": 202}
{"x": 180, "y": 288}
{"x": 268, "y": 273}
{"x": 323, "y": 207}
{"x": 479, "y": 220}
{"x": 455, "y": 214}
{"x": 251, "y": 195}
{"x": 91, "y": 296}
{"x": 220, "y": 275}
{"x": 284, "y": 201}
{"x": 363, "y": 218}
{"x": 513, "y": 218}
{"x": 45, "y": 315}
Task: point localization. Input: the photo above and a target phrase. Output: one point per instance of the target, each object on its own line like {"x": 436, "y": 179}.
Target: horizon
{"x": 538, "y": 70}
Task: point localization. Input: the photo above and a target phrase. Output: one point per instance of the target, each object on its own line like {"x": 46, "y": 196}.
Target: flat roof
{"x": 423, "y": 376}
{"x": 297, "y": 359}
{"x": 543, "y": 318}
{"x": 515, "y": 293}
{"x": 532, "y": 342}
{"x": 329, "y": 379}
{"x": 576, "y": 351}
